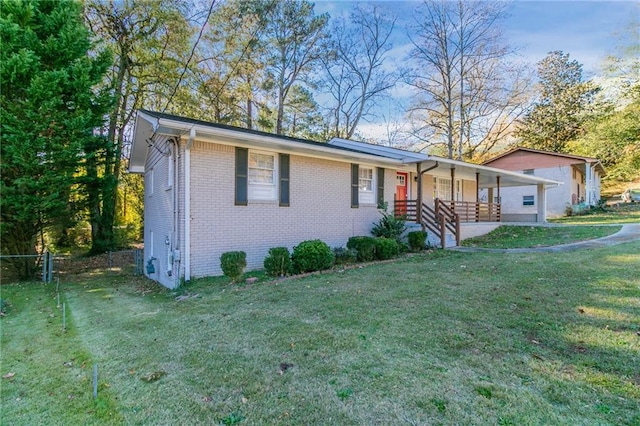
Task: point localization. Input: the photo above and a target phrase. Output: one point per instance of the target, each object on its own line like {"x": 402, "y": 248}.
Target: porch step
{"x": 432, "y": 239}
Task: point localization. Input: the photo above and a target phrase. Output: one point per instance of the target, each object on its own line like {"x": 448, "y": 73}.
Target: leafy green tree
{"x": 150, "y": 41}
{"x": 49, "y": 110}
{"x": 294, "y": 36}
{"x": 614, "y": 138}
{"x": 559, "y": 114}
{"x": 231, "y": 67}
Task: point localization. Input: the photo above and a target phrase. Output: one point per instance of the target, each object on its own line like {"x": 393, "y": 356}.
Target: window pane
{"x": 365, "y": 182}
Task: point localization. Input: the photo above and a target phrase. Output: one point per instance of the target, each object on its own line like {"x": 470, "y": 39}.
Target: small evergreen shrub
{"x": 233, "y": 264}
{"x": 364, "y": 246}
{"x": 389, "y": 226}
{"x": 417, "y": 240}
{"x": 345, "y": 256}
{"x": 386, "y": 248}
{"x": 278, "y": 262}
{"x": 312, "y": 255}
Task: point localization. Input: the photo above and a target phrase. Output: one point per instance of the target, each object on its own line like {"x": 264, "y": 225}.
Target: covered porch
{"x": 447, "y": 197}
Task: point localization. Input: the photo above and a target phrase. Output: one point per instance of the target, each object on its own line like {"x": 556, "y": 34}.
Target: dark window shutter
{"x": 242, "y": 171}
{"x": 284, "y": 180}
{"x": 355, "y": 177}
{"x": 380, "y": 186}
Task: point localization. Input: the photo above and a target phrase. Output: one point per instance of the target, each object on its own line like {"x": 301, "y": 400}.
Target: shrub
{"x": 386, "y": 248}
{"x": 417, "y": 240}
{"x": 344, "y": 255}
{"x": 278, "y": 262}
{"x": 233, "y": 264}
{"x": 364, "y": 246}
{"x": 312, "y": 255}
{"x": 389, "y": 226}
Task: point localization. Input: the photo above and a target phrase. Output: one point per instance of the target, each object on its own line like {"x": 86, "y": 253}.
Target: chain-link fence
{"x": 48, "y": 266}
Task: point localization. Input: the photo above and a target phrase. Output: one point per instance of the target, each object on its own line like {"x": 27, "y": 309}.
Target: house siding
{"x": 557, "y": 197}
{"x": 568, "y": 170}
{"x": 320, "y": 208}
{"x": 159, "y": 213}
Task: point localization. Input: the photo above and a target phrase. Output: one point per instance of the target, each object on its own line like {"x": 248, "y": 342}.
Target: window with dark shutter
{"x": 355, "y": 178}
{"x": 284, "y": 180}
{"x": 242, "y": 165}
{"x": 380, "y": 186}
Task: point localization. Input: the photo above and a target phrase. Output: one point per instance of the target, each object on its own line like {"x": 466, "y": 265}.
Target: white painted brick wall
{"x": 320, "y": 208}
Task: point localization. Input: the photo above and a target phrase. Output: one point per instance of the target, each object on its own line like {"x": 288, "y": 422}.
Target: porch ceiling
{"x": 487, "y": 176}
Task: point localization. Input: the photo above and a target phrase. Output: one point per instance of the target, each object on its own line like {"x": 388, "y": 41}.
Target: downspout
{"x": 176, "y": 213}
{"x": 187, "y": 205}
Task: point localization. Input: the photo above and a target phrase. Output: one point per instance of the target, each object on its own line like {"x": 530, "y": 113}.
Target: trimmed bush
{"x": 278, "y": 262}
{"x": 386, "y": 248}
{"x": 312, "y": 255}
{"x": 233, "y": 264}
{"x": 389, "y": 226}
{"x": 364, "y": 246}
{"x": 344, "y": 256}
{"x": 417, "y": 240}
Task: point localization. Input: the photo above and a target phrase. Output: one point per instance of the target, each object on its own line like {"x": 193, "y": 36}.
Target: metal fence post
{"x": 44, "y": 266}
{"x": 50, "y": 277}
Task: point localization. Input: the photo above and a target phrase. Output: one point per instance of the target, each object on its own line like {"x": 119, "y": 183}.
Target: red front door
{"x": 401, "y": 192}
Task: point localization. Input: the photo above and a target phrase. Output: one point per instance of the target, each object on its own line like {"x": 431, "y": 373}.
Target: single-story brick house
{"x": 212, "y": 188}
{"x": 581, "y": 178}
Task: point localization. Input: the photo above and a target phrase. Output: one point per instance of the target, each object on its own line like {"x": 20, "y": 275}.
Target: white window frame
{"x": 366, "y": 195}
{"x": 528, "y": 200}
{"x": 262, "y": 191}
{"x": 442, "y": 188}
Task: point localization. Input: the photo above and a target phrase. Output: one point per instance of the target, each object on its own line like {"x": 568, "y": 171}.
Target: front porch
{"x": 447, "y": 216}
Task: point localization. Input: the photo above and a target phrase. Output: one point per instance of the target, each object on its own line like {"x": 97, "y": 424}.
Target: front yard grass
{"x": 508, "y": 236}
{"x": 621, "y": 213}
{"x": 436, "y": 338}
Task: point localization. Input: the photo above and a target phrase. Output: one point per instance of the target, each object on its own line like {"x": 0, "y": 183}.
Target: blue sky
{"x": 584, "y": 29}
{"x": 587, "y": 30}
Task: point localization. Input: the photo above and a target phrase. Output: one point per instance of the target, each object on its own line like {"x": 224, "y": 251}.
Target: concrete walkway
{"x": 628, "y": 233}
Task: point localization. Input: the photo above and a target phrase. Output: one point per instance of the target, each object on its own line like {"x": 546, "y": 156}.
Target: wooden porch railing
{"x": 447, "y": 215}
{"x": 475, "y": 212}
{"x": 449, "y": 221}
{"x": 406, "y": 208}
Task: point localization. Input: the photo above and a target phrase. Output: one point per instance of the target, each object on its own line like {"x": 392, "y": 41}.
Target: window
{"x": 366, "y": 186}
{"x": 528, "y": 200}
{"x": 262, "y": 176}
{"x": 528, "y": 171}
{"x": 442, "y": 188}
{"x": 401, "y": 180}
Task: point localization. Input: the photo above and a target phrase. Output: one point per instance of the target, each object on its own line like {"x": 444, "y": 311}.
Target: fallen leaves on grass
{"x": 152, "y": 377}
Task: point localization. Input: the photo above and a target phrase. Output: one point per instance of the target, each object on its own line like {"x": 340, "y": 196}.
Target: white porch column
{"x": 542, "y": 204}
{"x": 588, "y": 184}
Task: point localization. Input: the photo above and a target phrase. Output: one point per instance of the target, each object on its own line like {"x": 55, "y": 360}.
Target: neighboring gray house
{"x": 211, "y": 188}
{"x": 581, "y": 177}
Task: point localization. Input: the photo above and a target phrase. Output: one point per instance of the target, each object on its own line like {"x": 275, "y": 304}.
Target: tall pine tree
{"x": 559, "y": 114}
{"x": 48, "y": 113}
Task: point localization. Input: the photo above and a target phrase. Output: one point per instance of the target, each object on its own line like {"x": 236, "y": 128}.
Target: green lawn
{"x": 436, "y": 338}
{"x": 623, "y": 213}
{"x": 508, "y": 236}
